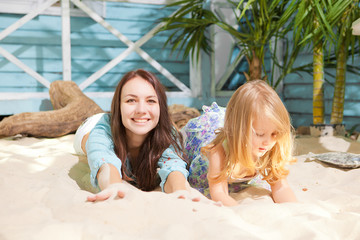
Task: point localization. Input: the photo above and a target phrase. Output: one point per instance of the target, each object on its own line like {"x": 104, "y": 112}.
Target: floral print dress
{"x": 199, "y": 132}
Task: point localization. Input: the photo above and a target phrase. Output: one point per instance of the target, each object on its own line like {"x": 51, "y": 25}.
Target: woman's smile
{"x": 140, "y": 120}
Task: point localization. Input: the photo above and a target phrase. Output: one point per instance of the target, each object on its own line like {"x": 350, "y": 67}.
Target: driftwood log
{"x": 181, "y": 114}
{"x": 71, "y": 108}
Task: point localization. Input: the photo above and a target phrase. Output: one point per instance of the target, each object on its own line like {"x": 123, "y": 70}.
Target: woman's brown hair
{"x": 144, "y": 166}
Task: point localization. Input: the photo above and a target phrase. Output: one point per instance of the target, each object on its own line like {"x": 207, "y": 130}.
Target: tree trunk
{"x": 337, "y": 111}
{"x": 318, "y": 87}
{"x": 255, "y": 67}
{"x": 71, "y": 108}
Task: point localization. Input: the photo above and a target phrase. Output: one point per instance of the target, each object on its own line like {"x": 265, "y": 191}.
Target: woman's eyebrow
{"x": 152, "y": 96}
{"x": 130, "y": 95}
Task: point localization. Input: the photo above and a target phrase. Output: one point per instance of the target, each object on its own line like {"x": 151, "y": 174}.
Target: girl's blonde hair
{"x": 253, "y": 99}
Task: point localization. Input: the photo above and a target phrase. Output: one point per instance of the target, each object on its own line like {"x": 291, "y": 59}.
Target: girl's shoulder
{"x": 216, "y": 154}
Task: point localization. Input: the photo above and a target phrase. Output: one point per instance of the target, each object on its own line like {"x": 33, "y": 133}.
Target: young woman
{"x": 241, "y": 145}
{"x": 136, "y": 142}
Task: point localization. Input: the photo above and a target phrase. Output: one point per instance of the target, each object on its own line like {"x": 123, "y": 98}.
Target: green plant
{"x": 259, "y": 22}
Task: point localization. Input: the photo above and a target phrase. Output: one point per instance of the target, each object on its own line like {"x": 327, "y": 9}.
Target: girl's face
{"x": 139, "y": 106}
{"x": 264, "y": 136}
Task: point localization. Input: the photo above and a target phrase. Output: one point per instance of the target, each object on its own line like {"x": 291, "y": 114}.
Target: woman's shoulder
{"x": 105, "y": 119}
{"x": 103, "y": 123}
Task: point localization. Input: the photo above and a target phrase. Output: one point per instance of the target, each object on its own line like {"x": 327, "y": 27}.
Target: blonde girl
{"x": 245, "y": 144}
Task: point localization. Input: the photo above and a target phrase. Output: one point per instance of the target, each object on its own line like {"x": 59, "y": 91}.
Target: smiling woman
{"x": 136, "y": 142}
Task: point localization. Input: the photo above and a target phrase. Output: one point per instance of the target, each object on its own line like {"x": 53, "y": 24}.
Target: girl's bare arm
{"x": 218, "y": 191}
{"x": 282, "y": 192}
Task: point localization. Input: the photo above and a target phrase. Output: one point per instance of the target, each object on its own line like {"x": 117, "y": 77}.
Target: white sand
{"x": 44, "y": 186}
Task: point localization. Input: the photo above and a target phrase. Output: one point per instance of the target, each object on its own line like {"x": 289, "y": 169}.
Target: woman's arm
{"x": 174, "y": 182}
{"x": 218, "y": 191}
{"x": 173, "y": 172}
{"x": 282, "y": 192}
{"x": 100, "y": 150}
{"x": 108, "y": 174}
{"x": 177, "y": 184}
{"x": 105, "y": 166}
{"x": 109, "y": 181}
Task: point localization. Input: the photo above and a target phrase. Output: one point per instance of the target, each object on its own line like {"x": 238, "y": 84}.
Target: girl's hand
{"x": 282, "y": 192}
{"x": 115, "y": 190}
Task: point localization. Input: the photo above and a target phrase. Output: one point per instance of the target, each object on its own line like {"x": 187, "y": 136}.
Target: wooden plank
{"x": 25, "y": 19}
{"x": 85, "y": 52}
{"x": 306, "y": 120}
{"x": 83, "y": 25}
{"x": 65, "y": 40}
{"x": 84, "y": 41}
{"x": 305, "y": 91}
{"x": 351, "y": 108}
{"x": 23, "y": 80}
{"x": 12, "y": 82}
{"x": 9, "y": 107}
{"x": 83, "y": 65}
{"x": 24, "y": 67}
{"x": 301, "y": 119}
{"x": 147, "y": 2}
{"x": 137, "y": 11}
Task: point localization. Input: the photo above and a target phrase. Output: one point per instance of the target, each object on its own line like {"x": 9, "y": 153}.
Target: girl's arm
{"x": 282, "y": 192}
{"x": 218, "y": 191}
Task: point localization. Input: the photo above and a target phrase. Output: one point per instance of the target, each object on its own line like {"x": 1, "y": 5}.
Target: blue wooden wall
{"x": 38, "y": 44}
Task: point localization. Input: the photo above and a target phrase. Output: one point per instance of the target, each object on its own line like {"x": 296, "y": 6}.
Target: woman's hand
{"x": 177, "y": 186}
{"x": 190, "y": 194}
{"x": 115, "y": 190}
{"x": 194, "y": 195}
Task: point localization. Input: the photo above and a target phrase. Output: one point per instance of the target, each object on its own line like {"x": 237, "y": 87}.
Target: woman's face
{"x": 139, "y": 106}
{"x": 264, "y": 136}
